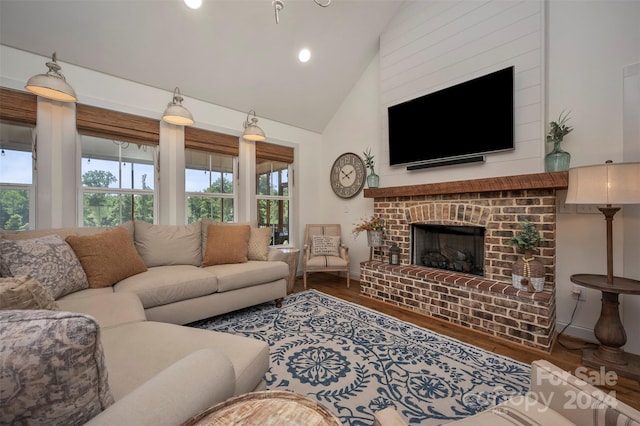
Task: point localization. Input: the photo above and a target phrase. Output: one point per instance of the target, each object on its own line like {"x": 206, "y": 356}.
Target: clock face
{"x": 347, "y": 176}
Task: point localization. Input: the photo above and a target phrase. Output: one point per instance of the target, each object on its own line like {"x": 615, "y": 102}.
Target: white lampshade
{"x": 52, "y": 85}
{"x": 252, "y": 132}
{"x": 176, "y": 113}
{"x": 602, "y": 184}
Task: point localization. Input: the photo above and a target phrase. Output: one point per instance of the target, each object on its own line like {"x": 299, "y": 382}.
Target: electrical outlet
{"x": 561, "y": 201}
{"x": 577, "y": 293}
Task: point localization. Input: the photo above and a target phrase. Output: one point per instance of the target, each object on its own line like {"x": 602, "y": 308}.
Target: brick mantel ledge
{"x": 552, "y": 180}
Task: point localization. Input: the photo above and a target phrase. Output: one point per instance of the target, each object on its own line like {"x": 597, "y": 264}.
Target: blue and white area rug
{"x": 356, "y": 361}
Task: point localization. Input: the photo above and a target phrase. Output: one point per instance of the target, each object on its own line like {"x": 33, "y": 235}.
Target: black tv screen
{"x": 471, "y": 118}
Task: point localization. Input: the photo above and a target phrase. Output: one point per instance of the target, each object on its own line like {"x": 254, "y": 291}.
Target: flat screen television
{"x": 456, "y": 123}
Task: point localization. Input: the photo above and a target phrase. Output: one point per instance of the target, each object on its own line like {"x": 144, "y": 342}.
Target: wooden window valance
{"x": 18, "y": 107}
{"x": 207, "y": 140}
{"x": 108, "y": 124}
{"x": 273, "y": 152}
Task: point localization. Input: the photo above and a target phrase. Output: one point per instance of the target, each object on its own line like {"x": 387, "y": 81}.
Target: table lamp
{"x": 606, "y": 185}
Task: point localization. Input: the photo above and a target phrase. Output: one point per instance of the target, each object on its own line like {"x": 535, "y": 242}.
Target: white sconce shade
{"x": 176, "y": 113}
{"x": 607, "y": 183}
{"x": 52, "y": 85}
{"x": 252, "y": 132}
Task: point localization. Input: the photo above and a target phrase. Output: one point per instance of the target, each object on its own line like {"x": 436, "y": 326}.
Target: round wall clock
{"x": 347, "y": 175}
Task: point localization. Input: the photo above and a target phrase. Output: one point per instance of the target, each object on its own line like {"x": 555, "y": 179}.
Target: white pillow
{"x": 325, "y": 245}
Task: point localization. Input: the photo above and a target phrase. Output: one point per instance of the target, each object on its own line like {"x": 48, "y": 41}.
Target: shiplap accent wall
{"x": 431, "y": 45}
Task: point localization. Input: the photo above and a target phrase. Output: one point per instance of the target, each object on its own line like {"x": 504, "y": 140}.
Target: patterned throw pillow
{"x": 259, "y": 243}
{"x": 226, "y": 244}
{"x": 107, "y": 258}
{"x": 325, "y": 245}
{"x": 53, "y": 368}
{"x": 48, "y": 259}
{"x": 24, "y": 292}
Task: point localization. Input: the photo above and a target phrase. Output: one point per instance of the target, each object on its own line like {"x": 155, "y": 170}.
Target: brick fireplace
{"x": 488, "y": 303}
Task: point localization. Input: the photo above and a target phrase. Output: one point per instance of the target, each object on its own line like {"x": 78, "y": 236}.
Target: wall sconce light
{"x": 252, "y": 132}
{"x": 176, "y": 113}
{"x": 52, "y": 85}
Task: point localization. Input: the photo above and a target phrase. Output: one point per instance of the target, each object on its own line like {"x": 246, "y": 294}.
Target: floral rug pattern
{"x": 356, "y": 361}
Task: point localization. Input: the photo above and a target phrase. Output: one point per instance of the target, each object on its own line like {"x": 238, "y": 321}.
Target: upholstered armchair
{"x": 324, "y": 251}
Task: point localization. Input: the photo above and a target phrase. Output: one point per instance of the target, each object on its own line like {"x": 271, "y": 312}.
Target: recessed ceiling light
{"x": 304, "y": 55}
{"x": 193, "y": 4}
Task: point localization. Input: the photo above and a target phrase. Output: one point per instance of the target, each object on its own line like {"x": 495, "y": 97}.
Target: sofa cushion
{"x": 136, "y": 352}
{"x": 24, "y": 292}
{"x": 107, "y": 257}
{"x": 239, "y": 275}
{"x": 204, "y": 225}
{"x": 48, "y": 259}
{"x": 226, "y": 244}
{"x": 258, "y": 246}
{"x": 161, "y": 285}
{"x": 160, "y": 245}
{"x": 325, "y": 245}
{"x": 53, "y": 368}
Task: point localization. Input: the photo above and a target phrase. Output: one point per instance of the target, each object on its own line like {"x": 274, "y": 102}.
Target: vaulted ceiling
{"x": 229, "y": 52}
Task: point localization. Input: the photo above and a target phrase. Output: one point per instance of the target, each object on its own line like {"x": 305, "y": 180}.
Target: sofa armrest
{"x": 388, "y": 417}
{"x": 183, "y": 390}
{"x": 576, "y": 399}
{"x": 108, "y": 309}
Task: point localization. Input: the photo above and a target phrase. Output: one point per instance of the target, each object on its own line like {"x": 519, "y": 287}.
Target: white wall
{"x": 588, "y": 44}
{"x": 432, "y": 45}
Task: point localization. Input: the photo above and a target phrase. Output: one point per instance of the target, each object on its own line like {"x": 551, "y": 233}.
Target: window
{"x": 209, "y": 185}
{"x": 119, "y": 163}
{"x": 17, "y": 191}
{"x": 118, "y": 180}
{"x": 274, "y": 165}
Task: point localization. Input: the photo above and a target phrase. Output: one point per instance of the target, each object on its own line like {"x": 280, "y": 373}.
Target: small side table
{"x": 266, "y": 408}
{"x": 609, "y": 330}
{"x": 292, "y": 255}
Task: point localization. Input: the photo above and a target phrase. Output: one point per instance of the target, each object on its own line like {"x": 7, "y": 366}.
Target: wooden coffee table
{"x": 267, "y": 408}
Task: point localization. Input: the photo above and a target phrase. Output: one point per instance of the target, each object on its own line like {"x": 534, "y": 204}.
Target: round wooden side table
{"x": 267, "y": 408}
{"x": 292, "y": 255}
{"x": 609, "y": 329}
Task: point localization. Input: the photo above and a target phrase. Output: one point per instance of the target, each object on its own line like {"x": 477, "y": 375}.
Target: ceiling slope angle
{"x": 229, "y": 53}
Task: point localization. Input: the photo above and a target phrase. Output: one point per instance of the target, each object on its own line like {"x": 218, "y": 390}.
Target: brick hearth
{"x": 488, "y": 304}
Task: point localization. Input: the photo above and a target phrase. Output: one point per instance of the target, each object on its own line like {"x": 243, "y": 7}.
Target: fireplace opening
{"x": 453, "y": 248}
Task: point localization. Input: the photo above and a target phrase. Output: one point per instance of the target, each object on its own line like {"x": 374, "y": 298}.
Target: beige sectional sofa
{"x": 174, "y": 287}
{"x": 127, "y": 335}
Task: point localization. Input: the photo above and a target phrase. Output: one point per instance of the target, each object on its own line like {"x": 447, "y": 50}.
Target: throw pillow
{"x": 160, "y": 245}
{"x": 226, "y": 244}
{"x": 259, "y": 243}
{"x": 53, "y": 368}
{"x": 48, "y": 259}
{"x": 325, "y": 245}
{"x": 205, "y": 222}
{"x": 24, "y": 292}
{"x": 107, "y": 258}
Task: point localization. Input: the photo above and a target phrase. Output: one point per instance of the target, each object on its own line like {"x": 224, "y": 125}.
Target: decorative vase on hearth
{"x": 528, "y": 273}
{"x": 374, "y": 238}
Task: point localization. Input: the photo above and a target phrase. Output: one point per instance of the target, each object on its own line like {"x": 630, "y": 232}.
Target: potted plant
{"x": 528, "y": 272}
{"x": 373, "y": 179}
{"x": 557, "y": 159}
{"x": 374, "y": 226}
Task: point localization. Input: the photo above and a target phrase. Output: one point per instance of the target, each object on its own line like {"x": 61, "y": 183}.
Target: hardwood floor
{"x": 626, "y": 390}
